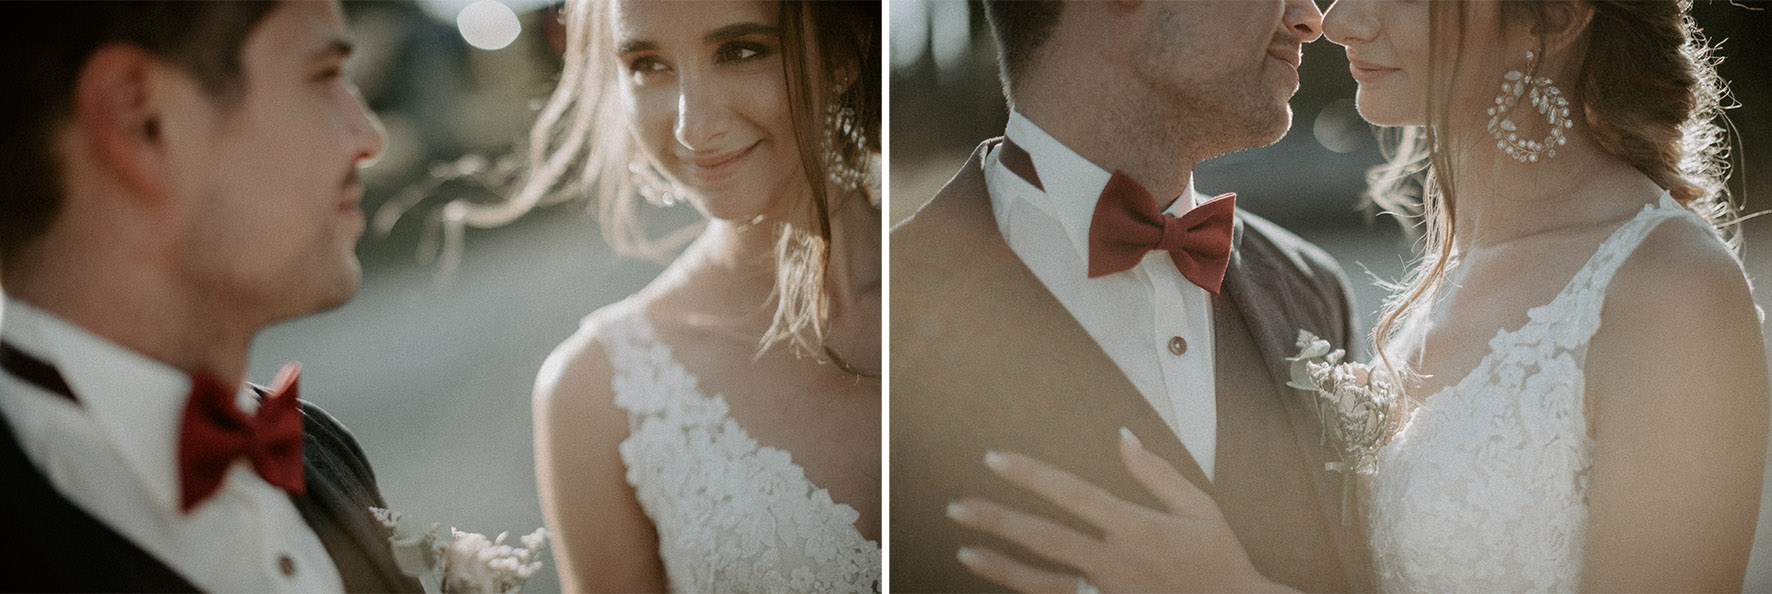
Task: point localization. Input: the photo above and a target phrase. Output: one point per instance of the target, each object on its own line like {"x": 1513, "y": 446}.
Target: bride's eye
{"x": 741, "y": 51}
{"x": 645, "y": 67}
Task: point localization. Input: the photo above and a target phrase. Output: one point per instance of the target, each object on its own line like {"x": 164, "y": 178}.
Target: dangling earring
{"x": 1549, "y": 102}
{"x": 653, "y": 187}
{"x": 843, "y": 137}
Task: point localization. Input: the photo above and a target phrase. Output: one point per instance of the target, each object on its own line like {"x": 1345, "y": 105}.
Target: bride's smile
{"x": 707, "y": 102}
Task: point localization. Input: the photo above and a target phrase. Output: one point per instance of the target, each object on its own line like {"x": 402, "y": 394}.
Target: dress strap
{"x": 1586, "y": 293}
{"x": 639, "y": 363}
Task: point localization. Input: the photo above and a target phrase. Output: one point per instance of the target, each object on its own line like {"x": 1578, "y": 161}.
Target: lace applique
{"x": 1484, "y": 488}
{"x": 732, "y": 515}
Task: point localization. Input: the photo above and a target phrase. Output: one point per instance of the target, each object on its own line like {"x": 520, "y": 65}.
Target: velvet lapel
{"x": 1257, "y": 288}
{"x": 342, "y": 520}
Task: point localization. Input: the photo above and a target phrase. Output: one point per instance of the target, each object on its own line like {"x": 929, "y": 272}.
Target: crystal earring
{"x": 1544, "y": 97}
{"x": 653, "y": 187}
{"x": 845, "y": 145}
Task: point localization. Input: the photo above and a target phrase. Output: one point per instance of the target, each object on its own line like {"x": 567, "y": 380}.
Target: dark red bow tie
{"x": 215, "y": 433}
{"x": 1127, "y": 225}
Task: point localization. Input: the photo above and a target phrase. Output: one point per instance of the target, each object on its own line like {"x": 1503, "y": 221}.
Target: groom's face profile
{"x": 270, "y": 179}
{"x": 1235, "y": 60}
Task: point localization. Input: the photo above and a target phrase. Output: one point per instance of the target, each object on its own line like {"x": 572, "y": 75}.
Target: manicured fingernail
{"x": 994, "y": 460}
{"x": 959, "y": 511}
{"x": 1128, "y": 438}
{"x": 967, "y": 556}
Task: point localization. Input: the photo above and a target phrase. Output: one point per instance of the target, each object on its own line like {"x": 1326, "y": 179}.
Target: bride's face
{"x": 1389, "y": 56}
{"x": 704, "y": 89}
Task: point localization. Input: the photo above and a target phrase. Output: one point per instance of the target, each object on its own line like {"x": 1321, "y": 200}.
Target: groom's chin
{"x": 338, "y": 289}
{"x": 1281, "y": 123}
{"x": 1263, "y": 129}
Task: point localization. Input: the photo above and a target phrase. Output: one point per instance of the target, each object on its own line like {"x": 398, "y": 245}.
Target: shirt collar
{"x": 135, "y": 402}
{"x": 1072, "y": 183}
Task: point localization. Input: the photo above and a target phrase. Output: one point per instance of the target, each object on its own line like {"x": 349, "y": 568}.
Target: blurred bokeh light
{"x": 488, "y": 24}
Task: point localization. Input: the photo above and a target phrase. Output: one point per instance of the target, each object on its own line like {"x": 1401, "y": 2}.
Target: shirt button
{"x": 286, "y": 565}
{"x": 1177, "y": 346}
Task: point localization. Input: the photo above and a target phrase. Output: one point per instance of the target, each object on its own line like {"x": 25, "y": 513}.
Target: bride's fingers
{"x": 1038, "y": 535}
{"x": 1066, "y": 491}
{"x": 1015, "y": 575}
{"x": 1162, "y": 479}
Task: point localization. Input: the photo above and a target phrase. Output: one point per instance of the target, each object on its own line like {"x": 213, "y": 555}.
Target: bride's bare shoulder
{"x": 575, "y": 380}
{"x": 1676, "y": 396}
{"x": 1679, "y": 318}
{"x": 603, "y": 539}
{"x": 1683, "y": 273}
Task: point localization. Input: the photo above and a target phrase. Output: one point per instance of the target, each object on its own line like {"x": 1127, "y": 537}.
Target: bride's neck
{"x": 1499, "y": 199}
{"x": 746, "y": 252}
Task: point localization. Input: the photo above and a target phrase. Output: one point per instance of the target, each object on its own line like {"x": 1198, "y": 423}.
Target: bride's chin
{"x": 1388, "y": 115}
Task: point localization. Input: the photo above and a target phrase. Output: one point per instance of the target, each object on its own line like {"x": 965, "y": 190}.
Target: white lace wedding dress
{"x": 732, "y": 515}
{"x": 1484, "y": 489}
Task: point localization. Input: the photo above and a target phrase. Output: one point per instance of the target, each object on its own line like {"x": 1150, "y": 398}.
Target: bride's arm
{"x": 603, "y": 540}
{"x": 1677, "y": 406}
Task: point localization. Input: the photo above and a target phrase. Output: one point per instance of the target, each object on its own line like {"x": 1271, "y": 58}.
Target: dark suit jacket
{"x": 985, "y": 358}
{"x": 54, "y": 546}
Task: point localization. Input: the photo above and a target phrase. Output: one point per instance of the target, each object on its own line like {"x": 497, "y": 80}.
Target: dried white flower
{"x": 464, "y": 561}
{"x": 1359, "y": 409}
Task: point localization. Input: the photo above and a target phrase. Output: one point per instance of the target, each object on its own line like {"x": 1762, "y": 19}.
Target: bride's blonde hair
{"x": 1648, "y": 93}
{"x": 581, "y": 144}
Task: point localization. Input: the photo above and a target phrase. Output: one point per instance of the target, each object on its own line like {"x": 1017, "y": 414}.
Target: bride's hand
{"x": 1187, "y": 547}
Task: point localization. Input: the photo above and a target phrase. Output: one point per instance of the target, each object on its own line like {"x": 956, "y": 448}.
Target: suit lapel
{"x": 323, "y": 508}
{"x": 1273, "y": 318}
{"x": 341, "y": 519}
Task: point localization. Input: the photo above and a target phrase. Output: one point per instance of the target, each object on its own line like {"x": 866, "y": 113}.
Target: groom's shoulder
{"x": 940, "y": 215}
{"x": 927, "y": 246}
{"x": 1269, "y": 245}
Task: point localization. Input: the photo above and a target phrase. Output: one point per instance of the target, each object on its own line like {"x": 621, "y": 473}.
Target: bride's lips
{"x": 720, "y": 165}
{"x": 1365, "y": 71}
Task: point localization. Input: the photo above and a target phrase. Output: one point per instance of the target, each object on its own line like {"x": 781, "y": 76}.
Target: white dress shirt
{"x": 115, "y": 455}
{"x": 1153, "y": 323}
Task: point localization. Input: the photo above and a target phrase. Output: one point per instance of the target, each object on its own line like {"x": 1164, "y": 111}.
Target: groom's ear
{"x": 1563, "y": 25}
{"x": 119, "y": 117}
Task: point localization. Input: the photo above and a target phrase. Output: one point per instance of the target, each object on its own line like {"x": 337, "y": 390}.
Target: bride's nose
{"x": 701, "y": 113}
{"x": 1350, "y": 21}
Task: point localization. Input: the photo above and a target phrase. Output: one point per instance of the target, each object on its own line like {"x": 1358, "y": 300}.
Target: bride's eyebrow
{"x": 737, "y": 30}
{"x": 628, "y": 46}
{"x": 720, "y": 35}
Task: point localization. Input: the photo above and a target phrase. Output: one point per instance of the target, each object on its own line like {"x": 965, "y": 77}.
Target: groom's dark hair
{"x": 1020, "y": 27}
{"x": 49, "y": 43}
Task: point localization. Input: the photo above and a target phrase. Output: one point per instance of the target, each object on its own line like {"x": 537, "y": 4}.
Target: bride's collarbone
{"x": 1491, "y": 292}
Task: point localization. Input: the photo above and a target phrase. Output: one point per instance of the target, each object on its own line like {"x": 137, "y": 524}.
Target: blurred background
{"x": 946, "y": 98}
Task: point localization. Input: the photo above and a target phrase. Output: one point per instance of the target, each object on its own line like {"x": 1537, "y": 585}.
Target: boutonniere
{"x": 463, "y": 561}
{"x": 1357, "y": 407}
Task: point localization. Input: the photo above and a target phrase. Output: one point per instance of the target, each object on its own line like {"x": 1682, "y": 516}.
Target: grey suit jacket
{"x": 985, "y": 358}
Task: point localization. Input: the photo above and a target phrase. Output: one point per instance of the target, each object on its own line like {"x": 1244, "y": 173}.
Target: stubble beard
{"x": 1224, "y": 118}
